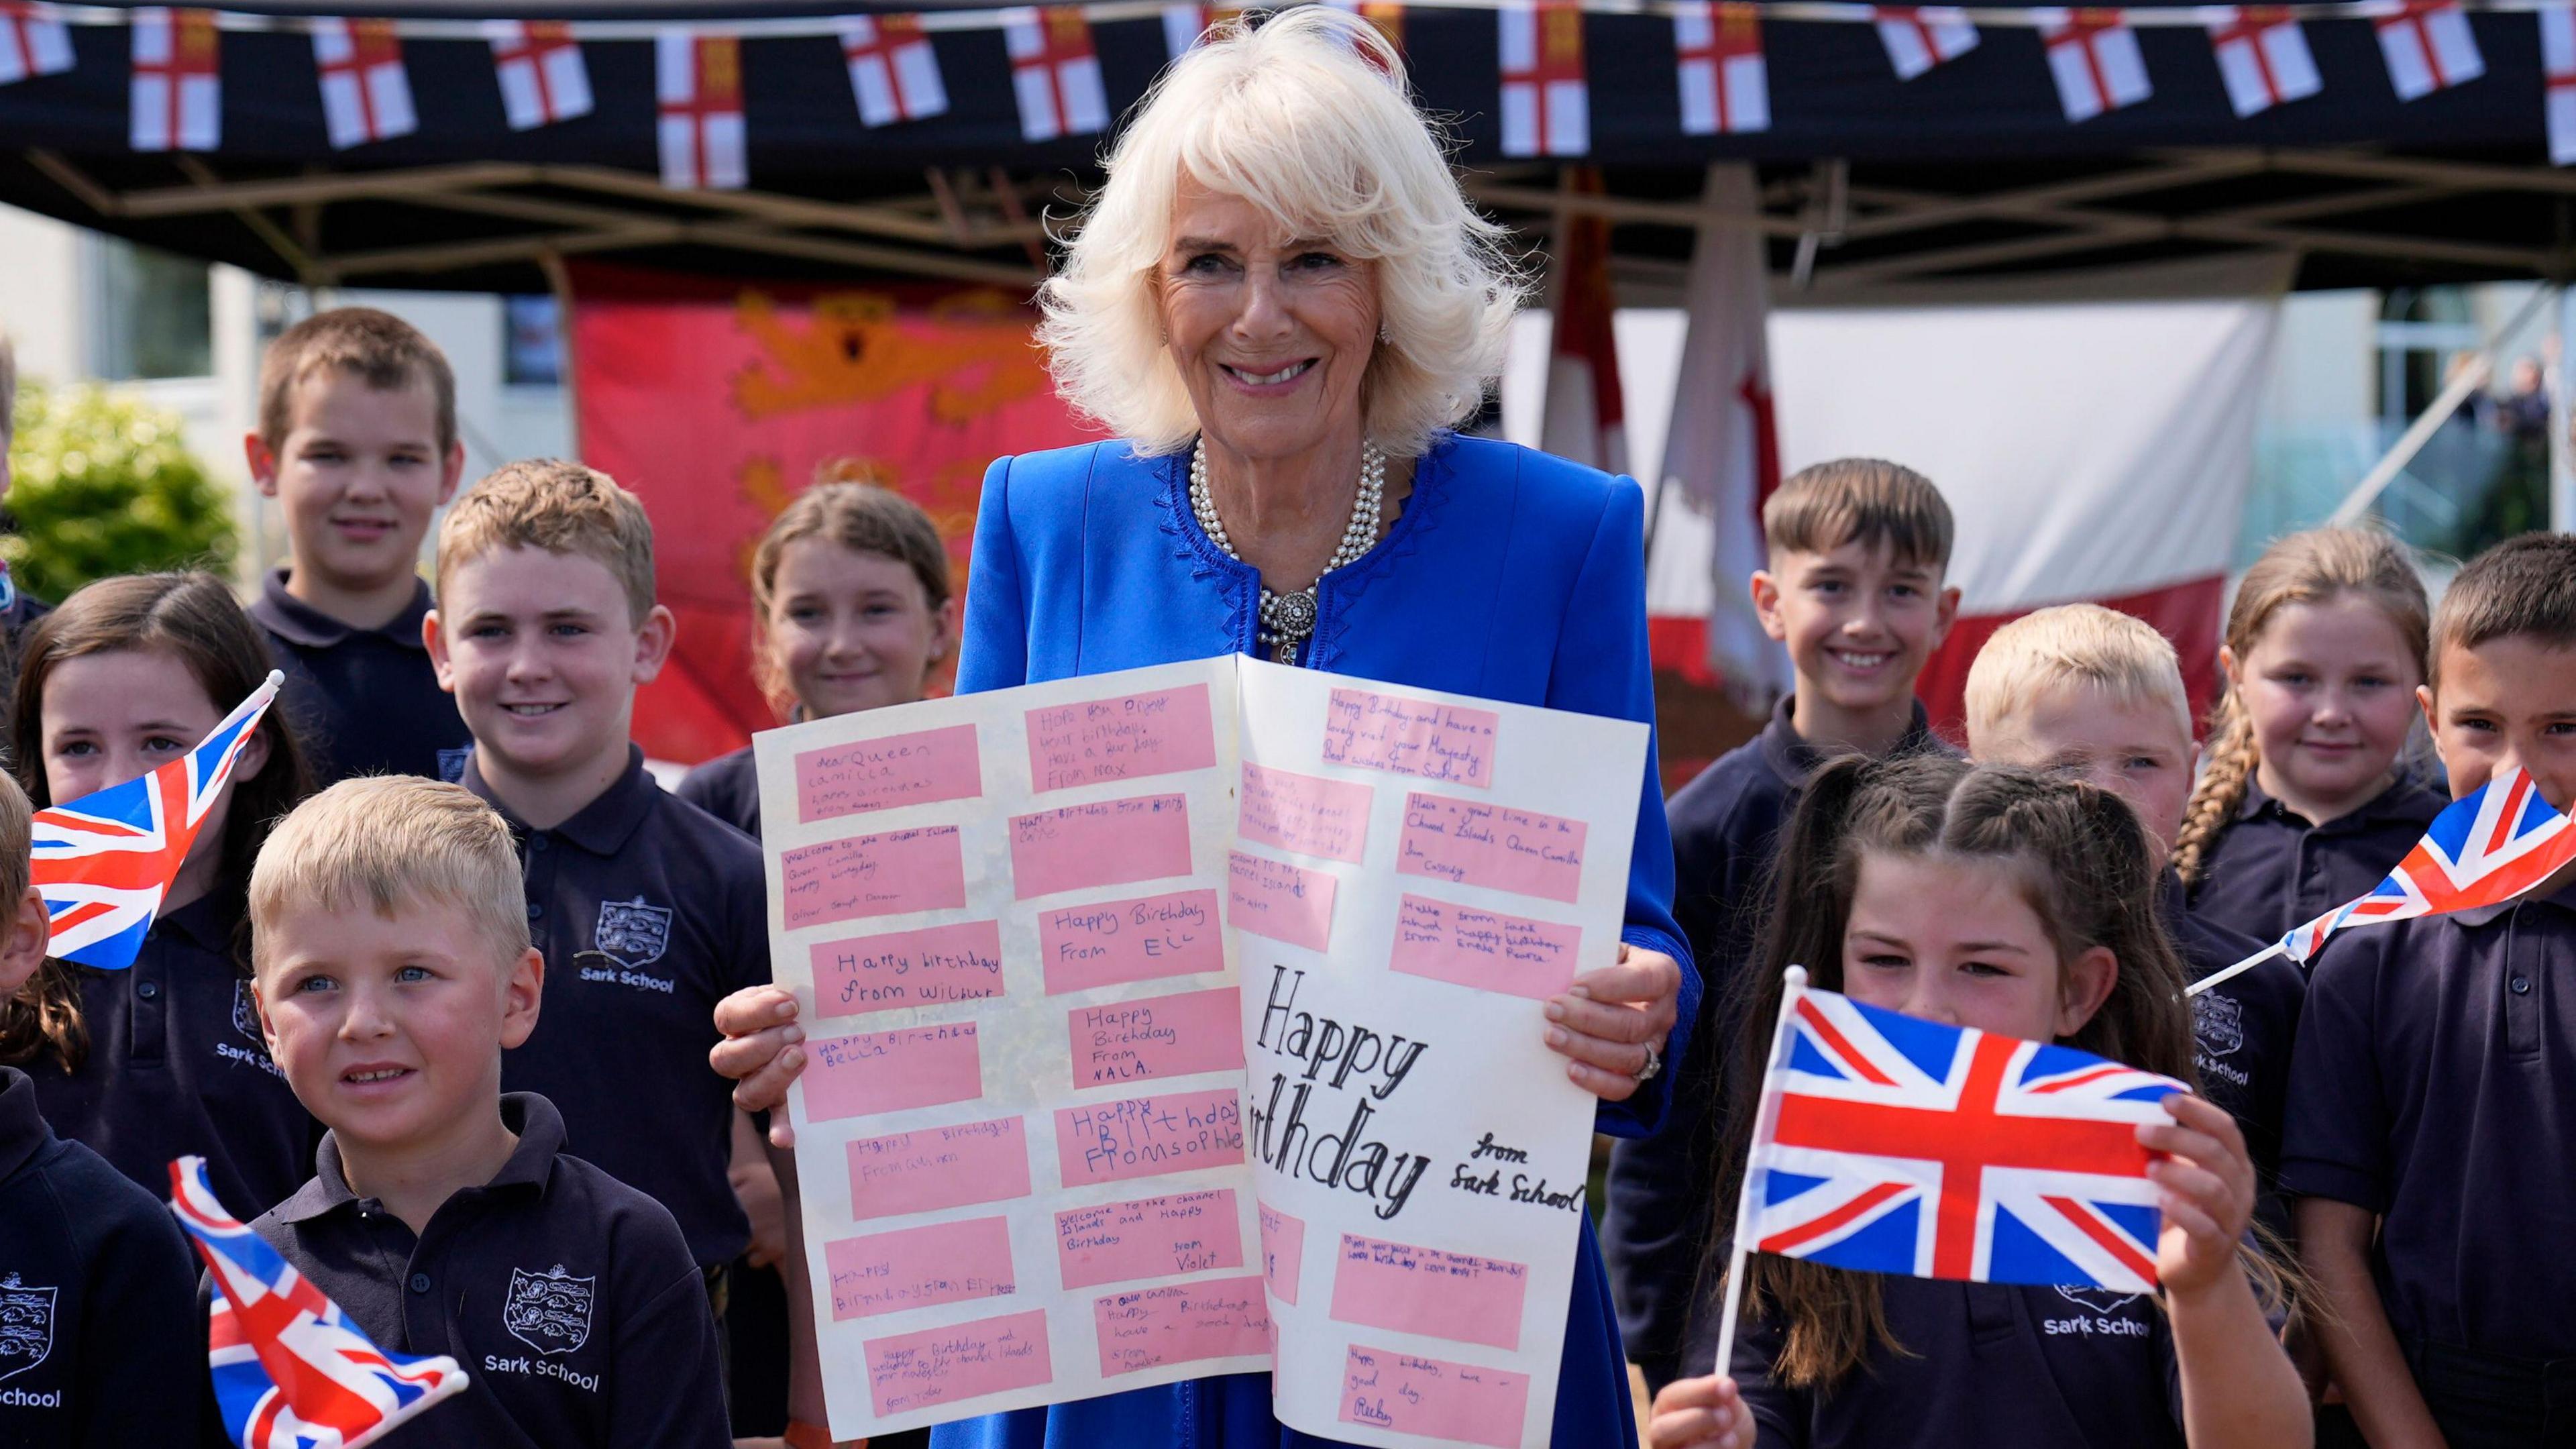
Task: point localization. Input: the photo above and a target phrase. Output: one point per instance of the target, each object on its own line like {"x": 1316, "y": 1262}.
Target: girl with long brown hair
{"x": 2020, "y": 904}
{"x": 165, "y": 1058}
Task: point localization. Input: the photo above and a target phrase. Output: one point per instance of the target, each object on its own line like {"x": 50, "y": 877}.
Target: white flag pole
{"x": 2232, "y": 972}
{"x": 1793, "y": 983}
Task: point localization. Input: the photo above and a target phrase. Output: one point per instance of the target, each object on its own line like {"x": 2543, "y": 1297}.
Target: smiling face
{"x": 358, "y": 474}
{"x": 1271, "y": 332}
{"x": 544, "y": 657}
{"x": 852, "y": 630}
{"x": 2506, "y": 702}
{"x": 1859, "y": 622}
{"x": 2135, "y": 748}
{"x": 110, "y": 716}
{"x": 391, "y": 1028}
{"x": 2329, "y": 688}
{"x": 1955, "y": 941}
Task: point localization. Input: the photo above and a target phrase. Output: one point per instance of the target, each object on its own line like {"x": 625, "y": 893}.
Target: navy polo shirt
{"x": 569, "y": 1298}
{"x": 2435, "y": 1085}
{"x": 2271, "y": 872}
{"x": 648, "y": 911}
{"x": 2242, "y": 1032}
{"x": 361, "y": 701}
{"x": 1986, "y": 1364}
{"x": 176, "y": 1066}
{"x": 97, "y": 1335}
{"x": 728, "y": 788}
{"x": 1725, "y": 827}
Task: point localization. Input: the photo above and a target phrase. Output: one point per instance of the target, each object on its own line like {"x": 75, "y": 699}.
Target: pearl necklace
{"x": 1288, "y": 620}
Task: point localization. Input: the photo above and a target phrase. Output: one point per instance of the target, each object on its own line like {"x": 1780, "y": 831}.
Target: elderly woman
{"x": 1280, "y": 302}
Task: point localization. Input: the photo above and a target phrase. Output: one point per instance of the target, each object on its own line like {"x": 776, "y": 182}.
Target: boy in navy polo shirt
{"x": 96, "y": 1329}
{"x": 1857, "y": 548}
{"x": 648, "y": 909}
{"x": 394, "y": 970}
{"x": 357, "y": 443}
{"x": 2093, "y": 693}
{"x": 2435, "y": 1075}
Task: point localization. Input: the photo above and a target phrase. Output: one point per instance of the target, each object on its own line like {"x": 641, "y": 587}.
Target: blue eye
{"x": 414, "y": 973}
{"x": 312, "y": 984}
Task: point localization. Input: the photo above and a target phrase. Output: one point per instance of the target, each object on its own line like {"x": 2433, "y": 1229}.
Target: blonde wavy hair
{"x": 1306, "y": 117}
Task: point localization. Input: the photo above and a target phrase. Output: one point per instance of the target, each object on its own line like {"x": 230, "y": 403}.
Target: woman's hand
{"x": 1606, "y": 1020}
{"x": 759, "y": 1053}
{"x": 2205, "y": 1185}
{"x": 1700, "y": 1414}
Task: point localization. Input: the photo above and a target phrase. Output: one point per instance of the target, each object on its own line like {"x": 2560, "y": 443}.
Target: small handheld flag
{"x": 290, "y": 1371}
{"x": 105, "y": 860}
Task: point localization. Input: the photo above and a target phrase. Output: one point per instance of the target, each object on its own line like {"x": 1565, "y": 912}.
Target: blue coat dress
{"x": 1509, "y": 575}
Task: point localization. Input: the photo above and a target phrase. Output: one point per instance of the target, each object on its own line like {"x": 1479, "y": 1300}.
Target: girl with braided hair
{"x": 2021, "y": 904}
{"x": 2303, "y": 804}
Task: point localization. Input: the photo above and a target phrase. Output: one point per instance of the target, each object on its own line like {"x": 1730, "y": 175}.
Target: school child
{"x": 647, "y": 909}
{"x": 357, "y": 443}
{"x": 2019, "y": 904}
{"x": 445, "y": 1216}
{"x": 2431, "y": 1087}
{"x": 851, "y": 610}
{"x": 2094, "y": 694}
{"x": 18, "y": 608}
{"x": 1857, "y": 549}
{"x": 2303, "y": 804}
{"x": 95, "y": 1324}
{"x": 163, "y": 1059}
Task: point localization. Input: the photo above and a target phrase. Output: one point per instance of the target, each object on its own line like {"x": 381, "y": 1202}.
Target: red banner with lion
{"x": 716, "y": 403}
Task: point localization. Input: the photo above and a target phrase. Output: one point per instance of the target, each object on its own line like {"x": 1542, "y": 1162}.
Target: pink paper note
{"x": 1187, "y": 1322}
{"x": 1469, "y": 843}
{"x": 873, "y": 875}
{"x": 920, "y": 1267}
{"x": 1153, "y": 1237}
{"x": 1304, "y": 813}
{"x": 1147, "y": 1136}
{"x": 1284, "y": 902}
{"x": 1443, "y": 742}
{"x": 888, "y": 1071}
{"x": 1127, "y": 737}
{"x": 1153, "y": 1037}
{"x": 912, "y": 968}
{"x": 880, "y": 774}
{"x": 1107, "y": 842}
{"x": 1114, "y": 942}
{"x": 957, "y": 1362}
{"x": 932, "y": 1168}
{"x": 1428, "y": 1291}
{"x": 1490, "y": 952}
{"x": 1283, "y": 1251}
{"x": 1434, "y": 1398}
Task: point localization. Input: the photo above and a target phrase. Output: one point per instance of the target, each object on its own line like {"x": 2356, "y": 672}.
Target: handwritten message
{"x": 1083, "y": 948}
{"x": 1149, "y": 1136}
{"x": 1284, "y": 902}
{"x": 1445, "y": 742}
{"x": 887, "y": 1071}
{"x": 1182, "y": 1324}
{"x": 873, "y": 875}
{"x": 1128, "y": 737}
{"x": 1428, "y": 1396}
{"x": 879, "y": 774}
{"x": 1283, "y": 1252}
{"x": 933, "y": 1168}
{"x": 1107, "y": 842}
{"x": 1154, "y": 1237}
{"x": 1304, "y": 813}
{"x": 1483, "y": 949}
{"x": 920, "y": 1267}
{"x": 1470, "y": 843}
{"x": 1428, "y": 1291}
{"x": 959, "y": 1362}
{"x": 1152, "y": 1037}
{"x": 914, "y": 968}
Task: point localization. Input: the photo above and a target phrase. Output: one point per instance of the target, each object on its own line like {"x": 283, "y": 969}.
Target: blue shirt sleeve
{"x": 994, "y": 650}
{"x": 1603, "y": 667}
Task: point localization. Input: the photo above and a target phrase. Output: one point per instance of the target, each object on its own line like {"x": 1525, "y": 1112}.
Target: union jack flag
{"x": 290, "y": 1371}
{"x": 105, "y": 860}
{"x": 2483, "y": 849}
{"x": 1889, "y": 1144}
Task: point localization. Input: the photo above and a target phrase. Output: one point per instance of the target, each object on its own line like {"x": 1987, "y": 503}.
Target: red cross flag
{"x": 1725, "y": 85}
{"x": 2429, "y": 48}
{"x": 177, "y": 95}
{"x": 1919, "y": 38}
{"x": 1055, "y": 73}
{"x": 366, "y": 92}
{"x": 699, "y": 80}
{"x": 1546, "y": 102}
{"x": 2094, "y": 56}
{"x": 893, "y": 72}
{"x": 2558, "y": 67}
{"x": 543, "y": 77}
{"x": 2264, "y": 59}
{"x": 1388, "y": 18}
{"x": 33, "y": 41}
{"x": 1185, "y": 26}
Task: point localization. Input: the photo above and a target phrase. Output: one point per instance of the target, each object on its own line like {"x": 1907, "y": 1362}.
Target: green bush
{"x": 104, "y": 485}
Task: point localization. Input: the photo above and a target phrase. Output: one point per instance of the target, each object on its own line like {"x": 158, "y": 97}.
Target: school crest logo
{"x": 451, "y": 763}
{"x": 550, "y": 1311}
{"x": 632, "y": 933}
{"x": 2217, "y": 1023}
{"x": 246, "y": 1014}
{"x": 2100, "y": 1300}
{"x": 26, "y": 1326}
